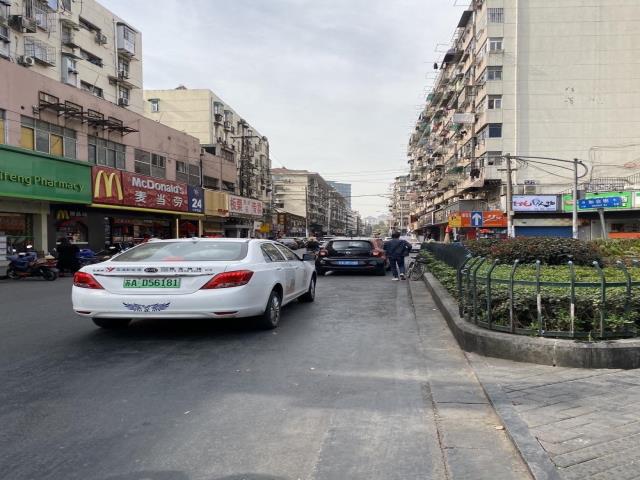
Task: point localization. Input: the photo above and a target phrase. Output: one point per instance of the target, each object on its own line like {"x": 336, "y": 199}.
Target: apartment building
{"x": 343, "y": 189}
{"x": 399, "y": 206}
{"x": 222, "y": 132}
{"x": 81, "y": 44}
{"x": 532, "y": 79}
{"x": 308, "y": 195}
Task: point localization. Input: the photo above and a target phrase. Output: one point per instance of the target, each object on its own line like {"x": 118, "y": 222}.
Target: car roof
{"x": 198, "y": 239}
{"x": 366, "y": 239}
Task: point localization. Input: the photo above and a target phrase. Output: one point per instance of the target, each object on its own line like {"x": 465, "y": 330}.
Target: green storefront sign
{"x": 26, "y": 174}
{"x": 627, "y": 201}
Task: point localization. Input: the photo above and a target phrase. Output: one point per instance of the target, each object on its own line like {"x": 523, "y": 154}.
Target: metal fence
{"x": 561, "y": 309}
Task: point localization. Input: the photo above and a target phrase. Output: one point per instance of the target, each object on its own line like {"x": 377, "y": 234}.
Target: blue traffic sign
{"x": 476, "y": 219}
{"x": 602, "y": 202}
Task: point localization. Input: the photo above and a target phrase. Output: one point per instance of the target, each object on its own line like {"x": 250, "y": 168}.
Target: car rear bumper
{"x": 364, "y": 264}
{"x": 241, "y": 302}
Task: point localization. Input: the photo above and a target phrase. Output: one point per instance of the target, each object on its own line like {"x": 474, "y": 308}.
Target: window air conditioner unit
{"x": 123, "y": 102}
{"x": 26, "y": 61}
{"x": 101, "y": 38}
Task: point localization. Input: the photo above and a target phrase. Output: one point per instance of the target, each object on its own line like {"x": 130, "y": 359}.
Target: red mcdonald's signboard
{"x": 114, "y": 187}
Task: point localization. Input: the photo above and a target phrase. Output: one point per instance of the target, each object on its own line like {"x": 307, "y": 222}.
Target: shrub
{"x": 550, "y": 251}
{"x": 617, "y": 249}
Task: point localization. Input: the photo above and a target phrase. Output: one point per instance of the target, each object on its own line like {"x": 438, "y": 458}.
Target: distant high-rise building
{"x": 343, "y": 189}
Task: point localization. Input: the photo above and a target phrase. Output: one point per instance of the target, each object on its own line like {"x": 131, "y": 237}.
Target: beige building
{"x": 222, "y": 132}
{"x": 81, "y": 44}
{"x": 399, "y": 207}
{"x": 537, "y": 78}
{"x": 308, "y": 195}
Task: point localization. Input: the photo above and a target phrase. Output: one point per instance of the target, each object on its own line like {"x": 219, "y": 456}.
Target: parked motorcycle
{"x": 27, "y": 264}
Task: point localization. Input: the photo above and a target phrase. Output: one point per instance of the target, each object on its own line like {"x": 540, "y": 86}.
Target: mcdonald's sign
{"x": 107, "y": 186}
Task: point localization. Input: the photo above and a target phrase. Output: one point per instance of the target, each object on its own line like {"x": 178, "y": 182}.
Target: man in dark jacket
{"x": 396, "y": 250}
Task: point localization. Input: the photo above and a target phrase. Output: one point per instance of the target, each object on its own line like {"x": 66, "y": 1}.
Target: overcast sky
{"x": 336, "y": 85}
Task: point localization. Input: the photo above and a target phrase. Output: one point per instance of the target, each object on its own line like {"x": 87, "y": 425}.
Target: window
{"x": 209, "y": 182}
{"x": 87, "y": 25}
{"x": 47, "y": 138}
{"x": 495, "y": 130}
{"x": 495, "y": 15}
{"x": 271, "y": 253}
{"x": 39, "y": 50}
{"x": 217, "y": 108}
{"x": 209, "y": 251}
{"x": 91, "y": 58}
{"x": 69, "y": 70}
{"x": 495, "y": 44}
{"x": 124, "y": 93}
{"x": 150, "y": 164}
{"x": 2, "y": 129}
{"x": 123, "y": 67}
{"x": 194, "y": 175}
{"x": 494, "y": 102}
{"x": 66, "y": 5}
{"x": 228, "y": 155}
{"x": 107, "y": 153}
{"x": 92, "y": 89}
{"x": 228, "y": 186}
{"x": 155, "y": 105}
{"x": 494, "y": 73}
{"x": 182, "y": 174}
{"x": 288, "y": 254}
{"x": 4, "y": 18}
{"x": 228, "y": 116}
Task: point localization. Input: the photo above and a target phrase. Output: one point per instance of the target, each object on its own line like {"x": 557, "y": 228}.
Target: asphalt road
{"x": 336, "y": 392}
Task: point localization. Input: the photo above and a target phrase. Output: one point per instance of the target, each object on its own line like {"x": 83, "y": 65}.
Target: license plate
{"x": 348, "y": 262}
{"x": 151, "y": 283}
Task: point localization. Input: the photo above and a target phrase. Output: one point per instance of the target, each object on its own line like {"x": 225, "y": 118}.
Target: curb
{"x": 618, "y": 354}
{"x": 537, "y": 459}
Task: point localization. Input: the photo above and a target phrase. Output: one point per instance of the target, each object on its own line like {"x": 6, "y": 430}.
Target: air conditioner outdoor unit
{"x": 26, "y": 61}
{"x": 101, "y": 39}
{"x": 530, "y": 190}
{"x": 123, "y": 102}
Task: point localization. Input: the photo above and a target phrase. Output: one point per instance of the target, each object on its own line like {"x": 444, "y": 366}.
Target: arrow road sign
{"x": 476, "y": 219}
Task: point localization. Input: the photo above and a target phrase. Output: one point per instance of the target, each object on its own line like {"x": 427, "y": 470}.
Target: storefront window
{"x": 2, "y": 129}
{"x": 47, "y": 138}
{"x": 72, "y": 224}
{"x": 18, "y": 228}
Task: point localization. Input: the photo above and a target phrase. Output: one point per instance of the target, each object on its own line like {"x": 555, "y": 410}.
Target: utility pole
{"x": 574, "y": 220}
{"x": 306, "y": 210}
{"x": 329, "y": 217}
{"x": 510, "y": 232}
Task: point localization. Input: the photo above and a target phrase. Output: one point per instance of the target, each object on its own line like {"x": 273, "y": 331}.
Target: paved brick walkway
{"x": 588, "y": 421}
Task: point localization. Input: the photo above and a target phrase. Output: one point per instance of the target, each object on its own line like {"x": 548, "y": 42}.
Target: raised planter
{"x": 624, "y": 353}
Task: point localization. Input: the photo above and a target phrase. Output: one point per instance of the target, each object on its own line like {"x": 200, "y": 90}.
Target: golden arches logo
{"x": 108, "y": 179}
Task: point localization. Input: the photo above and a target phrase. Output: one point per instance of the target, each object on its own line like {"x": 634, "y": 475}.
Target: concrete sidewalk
{"x": 473, "y": 441}
{"x": 588, "y": 421}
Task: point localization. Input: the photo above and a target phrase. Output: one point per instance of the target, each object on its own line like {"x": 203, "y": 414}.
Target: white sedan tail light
{"x": 229, "y": 279}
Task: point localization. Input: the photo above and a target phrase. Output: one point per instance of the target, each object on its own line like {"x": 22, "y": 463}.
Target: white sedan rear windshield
{"x": 185, "y": 251}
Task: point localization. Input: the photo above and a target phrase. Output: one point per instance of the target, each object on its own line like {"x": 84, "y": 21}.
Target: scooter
{"x": 27, "y": 264}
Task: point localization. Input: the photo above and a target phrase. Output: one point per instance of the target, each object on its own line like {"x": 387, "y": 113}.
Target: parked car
{"x": 289, "y": 242}
{"x": 352, "y": 254}
{"x": 194, "y": 278}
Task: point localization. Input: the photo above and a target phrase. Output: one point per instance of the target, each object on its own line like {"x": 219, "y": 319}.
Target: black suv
{"x": 352, "y": 254}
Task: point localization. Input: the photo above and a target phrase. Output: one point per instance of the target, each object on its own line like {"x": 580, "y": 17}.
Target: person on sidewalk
{"x": 396, "y": 249}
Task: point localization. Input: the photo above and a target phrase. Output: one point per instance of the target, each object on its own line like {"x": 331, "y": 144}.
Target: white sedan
{"x": 194, "y": 278}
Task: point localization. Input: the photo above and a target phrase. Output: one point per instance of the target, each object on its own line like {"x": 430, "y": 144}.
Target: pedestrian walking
{"x": 396, "y": 249}
{"x": 68, "y": 257}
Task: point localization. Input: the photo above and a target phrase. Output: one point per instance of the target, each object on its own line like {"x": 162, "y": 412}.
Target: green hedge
{"x": 556, "y": 301}
{"x": 550, "y": 251}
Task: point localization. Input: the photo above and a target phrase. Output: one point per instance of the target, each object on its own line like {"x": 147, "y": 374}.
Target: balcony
{"x": 42, "y": 52}
{"x": 126, "y": 41}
